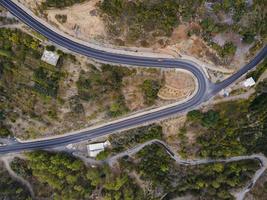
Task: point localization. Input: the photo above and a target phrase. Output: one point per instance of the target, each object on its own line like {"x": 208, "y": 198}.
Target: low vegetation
{"x": 96, "y": 85}
{"x": 63, "y": 173}
{"x": 33, "y": 92}
{"x": 128, "y": 139}
{"x": 59, "y": 3}
{"x": 261, "y": 68}
{"x": 148, "y": 22}
{"x": 150, "y": 91}
{"x": 142, "y": 17}
{"x": 67, "y": 177}
{"x": 11, "y": 189}
{"x": 61, "y": 18}
{"x": 212, "y": 181}
{"x": 232, "y": 128}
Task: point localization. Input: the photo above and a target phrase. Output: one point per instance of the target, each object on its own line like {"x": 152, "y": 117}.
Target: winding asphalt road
{"x": 205, "y": 89}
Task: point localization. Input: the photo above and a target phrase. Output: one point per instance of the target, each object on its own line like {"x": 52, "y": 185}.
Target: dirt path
{"x": 6, "y": 160}
{"x": 239, "y": 195}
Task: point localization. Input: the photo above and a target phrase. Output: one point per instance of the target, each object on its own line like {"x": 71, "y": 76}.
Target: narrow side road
{"x": 239, "y": 195}
{"x": 7, "y": 160}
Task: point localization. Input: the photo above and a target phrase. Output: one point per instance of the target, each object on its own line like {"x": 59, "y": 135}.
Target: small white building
{"x": 248, "y": 82}
{"x": 225, "y": 92}
{"x": 96, "y": 148}
{"x": 50, "y": 57}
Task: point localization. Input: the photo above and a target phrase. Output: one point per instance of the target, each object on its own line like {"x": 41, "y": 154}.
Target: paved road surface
{"x": 205, "y": 90}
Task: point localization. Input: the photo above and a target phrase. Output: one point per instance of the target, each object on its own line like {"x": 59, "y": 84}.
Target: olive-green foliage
{"x": 212, "y": 181}
{"x": 248, "y": 21}
{"x": 16, "y": 46}
{"x": 15, "y": 40}
{"x": 156, "y": 166}
{"x": 150, "y": 90}
{"x": 22, "y": 76}
{"x": 94, "y": 84}
{"x": 50, "y": 48}
{"x": 239, "y": 128}
{"x": 132, "y": 137}
{"x": 261, "y": 68}
{"x": 65, "y": 174}
{"x": 60, "y": 3}
{"x": 216, "y": 180}
{"x": 4, "y": 131}
{"x": 141, "y": 17}
{"x": 116, "y": 186}
{"x": 256, "y": 16}
{"x": 71, "y": 179}
{"x": 61, "y": 18}
{"x": 239, "y": 8}
{"x": 207, "y": 119}
{"x": 46, "y": 81}
{"x": 10, "y": 189}
{"x": 20, "y": 167}
{"x": 227, "y": 50}
{"x": 194, "y": 115}
{"x": 118, "y": 107}
{"x": 5, "y": 53}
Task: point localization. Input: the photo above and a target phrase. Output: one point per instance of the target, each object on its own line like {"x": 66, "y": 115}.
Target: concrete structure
{"x": 50, "y": 57}
{"x": 225, "y": 92}
{"x": 96, "y": 148}
{"x": 248, "y": 82}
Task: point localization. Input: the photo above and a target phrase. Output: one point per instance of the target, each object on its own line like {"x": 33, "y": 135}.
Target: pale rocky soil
{"x": 178, "y": 85}
{"x": 31, "y": 4}
{"x": 94, "y": 112}
{"x": 84, "y": 22}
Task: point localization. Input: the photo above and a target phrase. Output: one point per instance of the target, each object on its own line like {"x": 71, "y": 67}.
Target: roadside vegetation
{"x": 38, "y": 99}
{"x": 95, "y": 84}
{"x": 68, "y": 178}
{"x": 261, "y": 68}
{"x": 158, "y": 18}
{"x": 11, "y": 189}
{"x": 150, "y": 90}
{"x": 128, "y": 139}
{"x": 64, "y": 176}
{"x": 145, "y": 23}
{"x": 212, "y": 181}
{"x": 232, "y": 128}
{"x": 60, "y": 3}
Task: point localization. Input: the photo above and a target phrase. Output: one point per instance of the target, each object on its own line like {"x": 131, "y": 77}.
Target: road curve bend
{"x": 205, "y": 89}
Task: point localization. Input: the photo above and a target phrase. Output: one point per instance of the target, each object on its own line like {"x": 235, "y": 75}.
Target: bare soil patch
{"x": 82, "y": 20}
{"x": 178, "y": 85}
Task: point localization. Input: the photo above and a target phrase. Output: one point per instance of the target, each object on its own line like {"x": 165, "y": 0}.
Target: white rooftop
{"x": 50, "y": 57}
{"x": 94, "y": 153}
{"x": 96, "y": 148}
{"x": 249, "y": 82}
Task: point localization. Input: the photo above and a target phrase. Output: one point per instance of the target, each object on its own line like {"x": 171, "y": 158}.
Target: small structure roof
{"x": 249, "y": 82}
{"x": 96, "y": 148}
{"x": 50, "y": 57}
